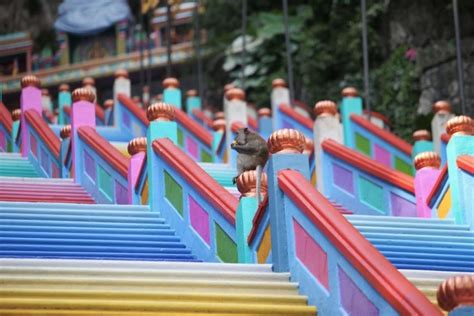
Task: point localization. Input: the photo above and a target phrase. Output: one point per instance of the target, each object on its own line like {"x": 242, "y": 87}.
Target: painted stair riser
{"x": 391, "y": 219}
{"x": 90, "y": 218}
{"x": 411, "y": 226}
{"x": 82, "y": 212}
{"x": 98, "y": 255}
{"x": 440, "y": 248}
{"x": 401, "y": 231}
{"x": 64, "y": 207}
{"x": 433, "y": 267}
{"x": 413, "y": 239}
{"x": 105, "y": 237}
{"x": 91, "y": 242}
{"x": 87, "y": 229}
{"x": 39, "y": 188}
{"x": 45, "y": 199}
{"x": 92, "y": 248}
{"x": 76, "y": 223}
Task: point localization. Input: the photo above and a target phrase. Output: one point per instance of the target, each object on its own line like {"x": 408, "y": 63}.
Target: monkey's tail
{"x": 259, "y": 180}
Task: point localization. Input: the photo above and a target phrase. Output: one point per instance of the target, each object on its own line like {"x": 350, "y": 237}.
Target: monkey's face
{"x": 240, "y": 137}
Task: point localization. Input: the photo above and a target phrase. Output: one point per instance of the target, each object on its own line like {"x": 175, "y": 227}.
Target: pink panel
{"x": 33, "y": 145}
{"x": 199, "y": 220}
{"x": 3, "y": 142}
{"x": 311, "y": 254}
{"x": 192, "y": 148}
{"x": 382, "y": 156}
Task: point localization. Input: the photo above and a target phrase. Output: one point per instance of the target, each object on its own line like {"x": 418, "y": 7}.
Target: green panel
{"x": 105, "y": 183}
{"x": 402, "y": 166}
{"x": 174, "y": 193}
{"x": 180, "y": 137}
{"x": 362, "y": 144}
{"x": 371, "y": 194}
{"x": 205, "y": 156}
{"x": 226, "y": 248}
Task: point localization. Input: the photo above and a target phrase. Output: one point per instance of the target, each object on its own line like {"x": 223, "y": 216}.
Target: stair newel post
{"x": 456, "y": 295}
{"x": 217, "y": 137}
{"x": 30, "y": 99}
{"x": 442, "y": 114}
{"x": 64, "y": 99}
{"x": 351, "y": 104}
{"x": 265, "y": 127}
{"x": 286, "y": 146}
{"x": 422, "y": 142}
{"x": 248, "y": 205}
{"x": 193, "y": 101}
{"x": 123, "y": 86}
{"x": 16, "y": 116}
{"x": 461, "y": 130}
{"x": 235, "y": 111}
{"x": 161, "y": 116}
{"x": 65, "y": 135}
{"x": 171, "y": 92}
{"x": 137, "y": 149}
{"x": 326, "y": 126}
{"x": 427, "y": 172}
{"x": 82, "y": 114}
{"x": 280, "y": 96}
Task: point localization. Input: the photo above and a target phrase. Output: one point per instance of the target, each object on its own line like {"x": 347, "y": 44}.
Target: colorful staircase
{"x": 13, "y": 165}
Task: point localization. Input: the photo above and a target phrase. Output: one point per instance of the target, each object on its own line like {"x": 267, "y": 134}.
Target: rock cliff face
{"x": 428, "y": 26}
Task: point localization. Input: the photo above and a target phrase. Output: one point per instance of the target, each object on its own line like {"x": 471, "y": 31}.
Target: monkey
{"x": 252, "y": 151}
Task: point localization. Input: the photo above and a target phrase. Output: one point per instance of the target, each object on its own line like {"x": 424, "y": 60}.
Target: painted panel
{"x": 286, "y": 124}
{"x": 226, "y": 249}
{"x": 180, "y": 137}
{"x": 192, "y": 147}
{"x": 402, "y": 166}
{"x": 121, "y": 193}
{"x": 205, "y": 156}
{"x": 199, "y": 220}
{"x": 382, "y": 156}
{"x": 34, "y": 145}
{"x": 265, "y": 246}
{"x": 445, "y": 205}
{"x": 126, "y": 119}
{"x": 343, "y": 178}
{"x": 105, "y": 183}
{"x": 363, "y": 144}
{"x": 401, "y": 206}
{"x": 174, "y": 193}
{"x": 89, "y": 165}
{"x": 353, "y": 300}
{"x": 54, "y": 170}
{"x": 310, "y": 253}
{"x": 3, "y": 142}
{"x": 144, "y": 195}
{"x": 371, "y": 193}
{"x": 45, "y": 162}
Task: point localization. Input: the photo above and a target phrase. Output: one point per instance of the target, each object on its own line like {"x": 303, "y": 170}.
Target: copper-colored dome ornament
{"x": 65, "y": 131}
{"x": 286, "y": 141}
{"x": 421, "y": 134}
{"x": 349, "y": 92}
{"x": 192, "y": 93}
{"x": 278, "y": 83}
{"x": 30, "y": 81}
{"x": 325, "y": 108}
{"x": 170, "y": 83}
{"x": 160, "y": 111}
{"x": 456, "y": 291}
{"x": 442, "y": 106}
{"x": 264, "y": 112}
{"x": 460, "y": 125}
{"x": 16, "y": 114}
{"x": 219, "y": 125}
{"x": 227, "y": 87}
{"x": 235, "y": 94}
{"x": 247, "y": 183}
{"x": 219, "y": 115}
{"x": 309, "y": 146}
{"x": 83, "y": 94}
{"x": 108, "y": 103}
{"x": 137, "y": 145}
{"x": 88, "y": 81}
{"x": 63, "y": 87}
{"x": 425, "y": 159}
{"x": 121, "y": 73}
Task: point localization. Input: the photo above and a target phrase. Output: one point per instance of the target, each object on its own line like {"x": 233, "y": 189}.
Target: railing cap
{"x": 460, "y": 125}
{"x": 170, "y": 82}
{"x": 349, "y": 92}
{"x": 137, "y": 145}
{"x": 308, "y": 146}
{"x": 286, "y": 141}
{"x": 247, "y": 183}
{"x": 228, "y": 86}
{"x": 108, "y": 103}
{"x": 65, "y": 131}
{"x": 121, "y": 73}
{"x": 16, "y": 114}
{"x": 421, "y": 134}
{"x": 192, "y": 93}
{"x": 219, "y": 115}
{"x": 83, "y": 94}
{"x": 325, "y": 108}
{"x": 63, "y": 87}
{"x": 264, "y": 112}
{"x": 30, "y": 81}
{"x": 442, "y": 106}
{"x": 429, "y": 159}
{"x": 235, "y": 94}
{"x": 456, "y": 291}
{"x": 219, "y": 125}
{"x": 88, "y": 81}
{"x": 160, "y": 111}
{"x": 278, "y": 83}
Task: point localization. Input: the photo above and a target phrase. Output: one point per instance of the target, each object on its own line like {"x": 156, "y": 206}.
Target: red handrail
{"x": 387, "y": 136}
{"x": 102, "y": 147}
{"x": 202, "y": 117}
{"x": 466, "y": 163}
{"x": 370, "y": 166}
{"x": 199, "y": 179}
{"x": 437, "y": 186}
{"x": 99, "y": 112}
{"x": 378, "y": 115}
{"x": 305, "y": 121}
{"x": 44, "y": 131}
{"x": 5, "y": 117}
{"x": 253, "y": 124}
{"x": 403, "y": 296}
{"x": 133, "y": 108}
{"x": 445, "y": 138}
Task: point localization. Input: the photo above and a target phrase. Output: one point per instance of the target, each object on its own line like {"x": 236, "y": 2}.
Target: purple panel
{"x": 121, "y": 194}
{"x": 343, "y": 178}
{"x": 192, "y": 148}
{"x": 353, "y": 300}
{"x": 199, "y": 220}
{"x": 54, "y": 171}
{"x": 126, "y": 119}
{"x": 382, "y": 156}
{"x": 89, "y": 164}
{"x": 45, "y": 161}
{"x": 3, "y": 142}
{"x": 33, "y": 146}
{"x": 286, "y": 124}
{"x": 401, "y": 206}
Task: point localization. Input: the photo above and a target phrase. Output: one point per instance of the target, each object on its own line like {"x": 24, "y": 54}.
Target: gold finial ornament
{"x": 442, "y": 106}
{"x": 160, "y": 111}
{"x": 425, "y": 159}
{"x": 286, "y": 141}
{"x": 421, "y": 134}
{"x": 83, "y": 94}
{"x": 460, "y": 125}
{"x": 278, "y": 83}
{"x": 264, "y": 112}
{"x": 247, "y": 183}
{"x": 121, "y": 73}
{"x": 235, "y": 94}
{"x": 349, "y": 92}
{"x": 137, "y": 145}
{"x": 63, "y": 87}
{"x": 30, "y": 81}
{"x": 456, "y": 291}
{"x": 65, "y": 131}
{"x": 325, "y": 108}
{"x": 219, "y": 125}
{"x": 88, "y": 81}
{"x": 16, "y": 114}
{"x": 170, "y": 83}
{"x": 192, "y": 93}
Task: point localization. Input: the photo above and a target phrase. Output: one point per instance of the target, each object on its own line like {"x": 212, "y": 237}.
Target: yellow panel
{"x": 265, "y": 246}
{"x": 313, "y": 178}
{"x": 145, "y": 193}
{"x": 445, "y": 205}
